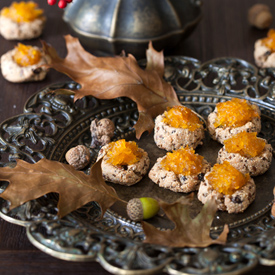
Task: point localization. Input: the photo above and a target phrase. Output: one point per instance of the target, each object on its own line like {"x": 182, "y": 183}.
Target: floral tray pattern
{"x": 51, "y": 124}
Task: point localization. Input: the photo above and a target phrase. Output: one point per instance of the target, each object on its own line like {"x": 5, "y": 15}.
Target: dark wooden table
{"x": 223, "y": 32}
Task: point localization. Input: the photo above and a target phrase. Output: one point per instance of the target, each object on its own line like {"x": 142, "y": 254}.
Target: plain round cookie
{"x": 177, "y": 183}
{"x": 254, "y": 166}
{"x": 124, "y": 174}
{"x": 171, "y": 138}
{"x": 12, "y": 72}
{"x": 12, "y": 30}
{"x": 263, "y": 56}
{"x": 235, "y": 203}
{"x": 220, "y": 134}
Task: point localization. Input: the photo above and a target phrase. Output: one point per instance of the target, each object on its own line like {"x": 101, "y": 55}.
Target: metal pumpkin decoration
{"x": 112, "y": 26}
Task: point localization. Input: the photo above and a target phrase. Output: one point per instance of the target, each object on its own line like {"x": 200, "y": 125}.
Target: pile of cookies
{"x": 234, "y": 123}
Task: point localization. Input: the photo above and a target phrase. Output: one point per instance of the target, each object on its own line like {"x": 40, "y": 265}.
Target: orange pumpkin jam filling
{"x": 269, "y": 41}
{"x": 234, "y": 113}
{"x": 245, "y": 144}
{"x": 26, "y": 55}
{"x": 22, "y": 11}
{"x": 183, "y": 161}
{"x": 182, "y": 117}
{"x": 123, "y": 152}
{"x": 226, "y": 179}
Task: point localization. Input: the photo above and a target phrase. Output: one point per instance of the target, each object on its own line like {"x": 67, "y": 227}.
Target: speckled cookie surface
{"x": 12, "y": 72}
{"x": 254, "y": 166}
{"x": 174, "y": 182}
{"x": 171, "y": 138}
{"x": 220, "y": 134}
{"x": 235, "y": 203}
{"x": 12, "y": 30}
{"x": 263, "y": 56}
{"x": 125, "y": 174}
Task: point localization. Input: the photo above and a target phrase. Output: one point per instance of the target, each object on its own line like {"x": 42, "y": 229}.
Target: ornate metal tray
{"x": 52, "y": 124}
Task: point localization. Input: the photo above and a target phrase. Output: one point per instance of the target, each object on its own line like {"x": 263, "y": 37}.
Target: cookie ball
{"x": 21, "y": 21}
{"x": 254, "y": 166}
{"x": 264, "y": 50}
{"x": 221, "y": 133}
{"x": 180, "y": 171}
{"x": 123, "y": 174}
{"x": 177, "y": 182}
{"x": 232, "y": 190}
{"x": 14, "y": 72}
{"x": 169, "y": 137}
{"x": 235, "y": 203}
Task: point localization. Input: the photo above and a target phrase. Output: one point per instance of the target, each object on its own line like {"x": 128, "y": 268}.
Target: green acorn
{"x": 139, "y": 209}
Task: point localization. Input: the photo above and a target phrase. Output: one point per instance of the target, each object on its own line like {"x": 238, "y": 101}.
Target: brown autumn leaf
{"x": 75, "y": 188}
{"x": 119, "y": 76}
{"x": 188, "y": 232}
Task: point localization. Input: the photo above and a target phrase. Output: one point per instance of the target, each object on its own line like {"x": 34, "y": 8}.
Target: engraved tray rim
{"x": 179, "y": 67}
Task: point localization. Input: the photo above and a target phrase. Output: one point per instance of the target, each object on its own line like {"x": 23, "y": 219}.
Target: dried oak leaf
{"x": 188, "y": 232}
{"x": 119, "y": 76}
{"x": 75, "y": 188}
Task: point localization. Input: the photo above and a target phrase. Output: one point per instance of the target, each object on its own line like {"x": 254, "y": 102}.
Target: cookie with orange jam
{"x": 123, "y": 162}
{"x": 22, "y": 20}
{"x": 247, "y": 153}
{"x": 178, "y": 126}
{"x": 180, "y": 171}
{"x": 23, "y": 64}
{"x": 264, "y": 50}
{"x": 232, "y": 190}
{"x": 232, "y": 117}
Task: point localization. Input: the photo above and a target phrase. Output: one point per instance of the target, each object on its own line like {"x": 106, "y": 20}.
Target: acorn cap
{"x": 135, "y": 210}
{"x": 260, "y": 16}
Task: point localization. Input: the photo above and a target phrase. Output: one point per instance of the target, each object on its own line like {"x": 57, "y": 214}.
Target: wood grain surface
{"x": 223, "y": 32}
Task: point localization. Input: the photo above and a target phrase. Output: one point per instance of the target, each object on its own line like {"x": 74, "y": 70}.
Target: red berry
{"x": 62, "y": 4}
{"x": 51, "y": 2}
{"x": 69, "y": 1}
